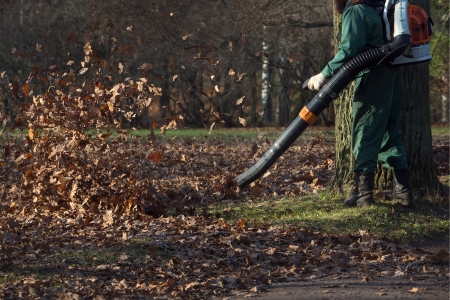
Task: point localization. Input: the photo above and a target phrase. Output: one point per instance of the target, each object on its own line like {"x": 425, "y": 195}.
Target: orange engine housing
{"x": 419, "y": 25}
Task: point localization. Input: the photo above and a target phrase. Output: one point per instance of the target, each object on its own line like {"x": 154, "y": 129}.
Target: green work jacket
{"x": 361, "y": 30}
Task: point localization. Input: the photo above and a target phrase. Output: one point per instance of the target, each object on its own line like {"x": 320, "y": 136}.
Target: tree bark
{"x": 266, "y": 94}
{"x": 415, "y": 126}
{"x": 444, "y": 105}
{"x": 416, "y": 129}
{"x": 284, "y": 117}
{"x": 416, "y": 122}
{"x": 444, "y": 101}
{"x": 344, "y": 162}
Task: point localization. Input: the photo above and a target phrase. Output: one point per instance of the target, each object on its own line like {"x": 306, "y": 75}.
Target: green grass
{"x": 228, "y": 134}
{"x": 37, "y": 272}
{"x": 327, "y": 212}
{"x": 439, "y": 130}
{"x": 130, "y": 250}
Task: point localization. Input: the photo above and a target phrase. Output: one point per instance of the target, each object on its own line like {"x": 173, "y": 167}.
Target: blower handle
{"x": 305, "y": 84}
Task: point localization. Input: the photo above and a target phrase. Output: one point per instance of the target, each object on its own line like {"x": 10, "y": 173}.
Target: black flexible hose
{"x": 322, "y": 100}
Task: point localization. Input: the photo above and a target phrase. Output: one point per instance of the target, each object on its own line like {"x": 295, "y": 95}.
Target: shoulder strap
{"x": 366, "y": 2}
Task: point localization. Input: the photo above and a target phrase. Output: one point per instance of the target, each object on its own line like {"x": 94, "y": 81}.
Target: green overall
{"x": 378, "y": 95}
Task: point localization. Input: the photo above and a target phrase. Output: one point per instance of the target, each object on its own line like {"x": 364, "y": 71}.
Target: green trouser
{"x": 376, "y": 113}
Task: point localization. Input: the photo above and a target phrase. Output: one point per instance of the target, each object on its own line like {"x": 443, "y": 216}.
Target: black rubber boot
{"x": 403, "y": 188}
{"x": 363, "y": 194}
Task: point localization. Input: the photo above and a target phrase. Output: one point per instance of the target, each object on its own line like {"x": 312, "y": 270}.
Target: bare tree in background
{"x": 204, "y": 54}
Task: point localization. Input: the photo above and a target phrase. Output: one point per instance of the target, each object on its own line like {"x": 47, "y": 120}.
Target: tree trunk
{"x": 254, "y": 115}
{"x": 266, "y": 95}
{"x": 444, "y": 101}
{"x": 444, "y": 105}
{"x": 416, "y": 129}
{"x": 344, "y": 162}
{"x": 416, "y": 122}
{"x": 284, "y": 101}
{"x": 415, "y": 126}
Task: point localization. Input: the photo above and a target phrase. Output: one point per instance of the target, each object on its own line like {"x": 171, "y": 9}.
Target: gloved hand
{"x": 316, "y": 82}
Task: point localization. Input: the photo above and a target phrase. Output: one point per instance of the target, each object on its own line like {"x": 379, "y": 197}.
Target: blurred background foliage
{"x": 205, "y": 55}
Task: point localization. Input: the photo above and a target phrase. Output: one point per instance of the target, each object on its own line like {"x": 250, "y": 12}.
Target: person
{"x": 376, "y": 106}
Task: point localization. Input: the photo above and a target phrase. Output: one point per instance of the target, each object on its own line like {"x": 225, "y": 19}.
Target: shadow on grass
{"x": 386, "y": 219}
{"x": 88, "y": 261}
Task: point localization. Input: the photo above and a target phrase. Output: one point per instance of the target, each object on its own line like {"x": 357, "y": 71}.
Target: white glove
{"x": 316, "y": 82}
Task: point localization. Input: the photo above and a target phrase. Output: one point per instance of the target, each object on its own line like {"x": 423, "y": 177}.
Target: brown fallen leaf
{"x": 442, "y": 255}
{"x": 156, "y": 157}
{"x": 12, "y": 208}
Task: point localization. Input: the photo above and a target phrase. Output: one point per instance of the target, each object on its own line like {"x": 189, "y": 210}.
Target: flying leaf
{"x": 231, "y": 72}
{"x": 31, "y": 133}
{"x": 211, "y": 127}
{"x": 110, "y": 106}
{"x": 240, "y": 100}
{"x": 240, "y": 76}
{"x": 254, "y": 148}
{"x": 242, "y": 121}
{"x": 217, "y": 88}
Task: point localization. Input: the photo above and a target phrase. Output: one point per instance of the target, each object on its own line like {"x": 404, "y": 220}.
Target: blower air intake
{"x": 421, "y": 29}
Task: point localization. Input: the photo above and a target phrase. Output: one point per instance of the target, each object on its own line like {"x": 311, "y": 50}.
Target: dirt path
{"x": 423, "y": 287}
{"x": 418, "y": 286}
